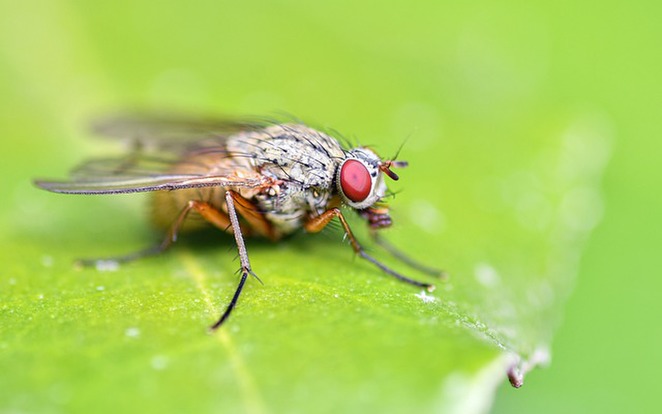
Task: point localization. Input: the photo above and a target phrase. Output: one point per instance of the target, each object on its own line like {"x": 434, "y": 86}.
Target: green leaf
{"x": 504, "y": 212}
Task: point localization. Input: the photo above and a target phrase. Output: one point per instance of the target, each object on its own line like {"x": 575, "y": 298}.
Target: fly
{"x": 262, "y": 179}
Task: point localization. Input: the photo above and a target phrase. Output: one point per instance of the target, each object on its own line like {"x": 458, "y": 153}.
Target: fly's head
{"x": 360, "y": 182}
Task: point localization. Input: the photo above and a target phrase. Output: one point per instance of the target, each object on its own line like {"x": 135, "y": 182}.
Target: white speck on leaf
{"x": 425, "y": 297}
{"x": 107, "y": 265}
{"x": 101, "y": 288}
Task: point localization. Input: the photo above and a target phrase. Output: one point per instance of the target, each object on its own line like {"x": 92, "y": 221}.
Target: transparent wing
{"x": 172, "y": 132}
{"x": 167, "y": 153}
{"x": 122, "y": 185}
{"x": 146, "y": 172}
{"x": 141, "y": 173}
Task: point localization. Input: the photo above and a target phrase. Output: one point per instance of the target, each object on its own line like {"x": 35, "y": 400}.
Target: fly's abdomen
{"x": 166, "y": 206}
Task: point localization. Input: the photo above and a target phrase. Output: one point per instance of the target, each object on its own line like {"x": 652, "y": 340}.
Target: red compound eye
{"x": 355, "y": 181}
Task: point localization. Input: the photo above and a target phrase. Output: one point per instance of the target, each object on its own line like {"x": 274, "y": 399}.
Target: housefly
{"x": 263, "y": 179}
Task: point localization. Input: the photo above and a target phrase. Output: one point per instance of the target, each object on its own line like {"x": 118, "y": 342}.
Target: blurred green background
{"x": 492, "y": 77}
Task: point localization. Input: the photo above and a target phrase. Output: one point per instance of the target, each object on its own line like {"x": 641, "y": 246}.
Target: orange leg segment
{"x": 253, "y": 216}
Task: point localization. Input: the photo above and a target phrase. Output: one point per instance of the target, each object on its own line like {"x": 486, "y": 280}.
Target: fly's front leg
{"x": 378, "y": 218}
{"x": 243, "y": 257}
{"x": 206, "y": 210}
{"x": 316, "y": 224}
{"x": 403, "y": 257}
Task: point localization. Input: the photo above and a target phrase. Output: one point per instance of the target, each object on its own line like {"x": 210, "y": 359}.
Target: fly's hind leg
{"x": 206, "y": 210}
{"x": 316, "y": 224}
{"x": 226, "y": 222}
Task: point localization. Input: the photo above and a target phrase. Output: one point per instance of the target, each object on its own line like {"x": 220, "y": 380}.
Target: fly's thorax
{"x": 290, "y": 152}
{"x": 301, "y": 161}
{"x": 359, "y": 179}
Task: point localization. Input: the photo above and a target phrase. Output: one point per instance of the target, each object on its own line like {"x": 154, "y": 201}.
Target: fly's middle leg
{"x": 230, "y": 197}
{"x": 227, "y": 222}
{"x": 316, "y": 224}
